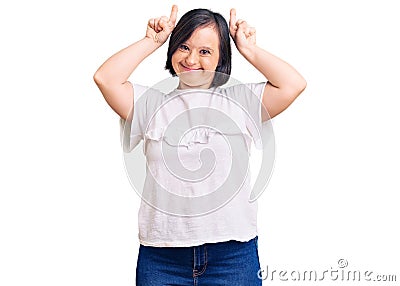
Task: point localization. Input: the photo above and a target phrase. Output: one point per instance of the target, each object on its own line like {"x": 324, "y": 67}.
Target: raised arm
{"x": 284, "y": 82}
{"x": 112, "y": 76}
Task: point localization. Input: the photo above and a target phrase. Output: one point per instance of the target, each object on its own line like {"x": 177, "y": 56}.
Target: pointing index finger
{"x": 232, "y": 20}
{"x": 174, "y": 12}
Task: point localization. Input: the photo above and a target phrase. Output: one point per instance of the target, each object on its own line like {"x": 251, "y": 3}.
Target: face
{"x": 196, "y": 57}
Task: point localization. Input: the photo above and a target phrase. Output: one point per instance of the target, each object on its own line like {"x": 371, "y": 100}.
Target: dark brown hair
{"x": 189, "y": 22}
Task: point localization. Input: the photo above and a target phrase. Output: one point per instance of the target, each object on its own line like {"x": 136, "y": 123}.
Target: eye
{"x": 205, "y": 52}
{"x": 183, "y": 47}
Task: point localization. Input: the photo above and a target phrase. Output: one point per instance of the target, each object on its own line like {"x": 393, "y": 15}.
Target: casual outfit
{"x": 197, "y": 227}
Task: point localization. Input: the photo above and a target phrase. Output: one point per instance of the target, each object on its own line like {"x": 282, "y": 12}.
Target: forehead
{"x": 204, "y": 36}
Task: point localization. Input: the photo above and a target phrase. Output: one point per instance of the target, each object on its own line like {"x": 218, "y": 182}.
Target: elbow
{"x": 300, "y": 86}
{"x": 303, "y": 85}
{"x": 98, "y": 77}
{"x": 102, "y": 78}
{"x": 294, "y": 90}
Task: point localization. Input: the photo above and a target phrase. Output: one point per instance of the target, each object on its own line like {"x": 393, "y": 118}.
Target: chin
{"x": 196, "y": 78}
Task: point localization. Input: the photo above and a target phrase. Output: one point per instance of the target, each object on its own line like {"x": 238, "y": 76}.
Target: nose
{"x": 192, "y": 58}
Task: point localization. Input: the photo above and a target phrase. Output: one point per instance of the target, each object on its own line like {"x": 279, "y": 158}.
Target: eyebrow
{"x": 206, "y": 48}
{"x": 201, "y": 47}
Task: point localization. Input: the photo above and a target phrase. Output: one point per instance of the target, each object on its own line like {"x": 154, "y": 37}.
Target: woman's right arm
{"x": 112, "y": 76}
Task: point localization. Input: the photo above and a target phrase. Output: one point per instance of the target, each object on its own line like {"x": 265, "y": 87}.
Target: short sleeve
{"x": 131, "y": 130}
{"x": 249, "y": 96}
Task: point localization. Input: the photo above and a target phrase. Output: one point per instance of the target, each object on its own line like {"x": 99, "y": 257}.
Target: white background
{"x": 68, "y": 215}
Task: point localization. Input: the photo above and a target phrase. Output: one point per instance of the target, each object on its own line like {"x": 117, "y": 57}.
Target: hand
{"x": 159, "y": 29}
{"x": 242, "y": 34}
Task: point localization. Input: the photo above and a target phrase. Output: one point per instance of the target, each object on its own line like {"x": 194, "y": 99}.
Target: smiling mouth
{"x": 189, "y": 69}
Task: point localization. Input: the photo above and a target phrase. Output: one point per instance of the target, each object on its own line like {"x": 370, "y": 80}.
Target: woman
{"x": 186, "y": 242}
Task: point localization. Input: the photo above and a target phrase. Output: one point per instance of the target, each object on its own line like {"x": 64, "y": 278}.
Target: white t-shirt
{"x": 197, "y": 144}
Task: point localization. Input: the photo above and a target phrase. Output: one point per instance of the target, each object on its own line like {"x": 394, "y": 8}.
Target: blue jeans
{"x": 231, "y": 263}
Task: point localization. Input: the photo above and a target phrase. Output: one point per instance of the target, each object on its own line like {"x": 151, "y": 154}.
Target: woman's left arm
{"x": 284, "y": 82}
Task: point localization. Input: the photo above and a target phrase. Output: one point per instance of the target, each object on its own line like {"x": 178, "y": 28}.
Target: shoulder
{"x": 147, "y": 99}
{"x": 241, "y": 89}
{"x": 246, "y": 94}
{"x": 145, "y": 93}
